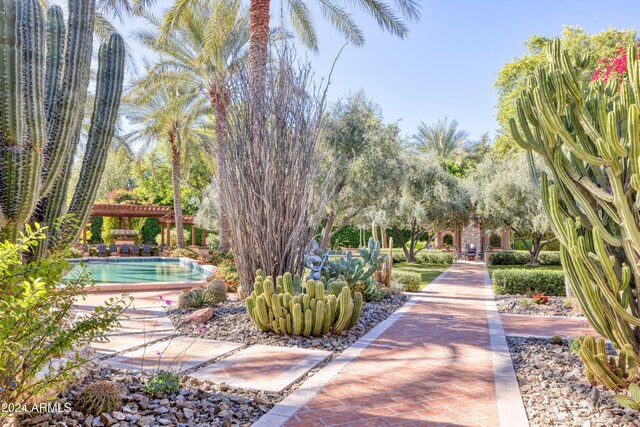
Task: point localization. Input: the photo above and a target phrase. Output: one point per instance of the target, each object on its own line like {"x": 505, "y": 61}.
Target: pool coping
{"x": 111, "y": 287}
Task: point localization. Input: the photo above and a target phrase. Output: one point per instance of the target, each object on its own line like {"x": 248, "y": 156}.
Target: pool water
{"x": 139, "y": 272}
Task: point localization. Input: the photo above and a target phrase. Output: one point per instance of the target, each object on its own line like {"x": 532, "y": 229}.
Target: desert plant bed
{"x": 524, "y": 304}
{"x": 555, "y": 390}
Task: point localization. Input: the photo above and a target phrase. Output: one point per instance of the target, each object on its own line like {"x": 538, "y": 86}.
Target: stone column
{"x": 84, "y": 235}
{"x": 204, "y": 237}
{"x": 169, "y": 234}
{"x": 506, "y": 239}
{"x": 162, "y": 234}
{"x": 193, "y": 235}
{"x": 439, "y": 240}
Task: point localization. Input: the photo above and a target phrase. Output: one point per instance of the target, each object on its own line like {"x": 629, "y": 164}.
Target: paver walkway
{"x": 432, "y": 367}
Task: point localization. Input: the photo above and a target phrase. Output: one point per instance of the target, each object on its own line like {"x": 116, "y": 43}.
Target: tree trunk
{"x": 175, "y": 176}
{"x": 326, "y": 230}
{"x": 219, "y": 99}
{"x": 534, "y": 251}
{"x": 258, "y": 55}
{"x": 403, "y": 244}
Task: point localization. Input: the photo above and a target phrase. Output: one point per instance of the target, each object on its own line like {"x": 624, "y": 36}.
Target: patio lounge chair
{"x": 113, "y": 250}
{"x": 135, "y": 250}
{"x": 125, "y": 251}
{"x": 102, "y": 250}
{"x": 146, "y": 250}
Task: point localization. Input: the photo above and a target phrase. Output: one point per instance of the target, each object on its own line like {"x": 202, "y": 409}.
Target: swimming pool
{"x": 148, "y": 270}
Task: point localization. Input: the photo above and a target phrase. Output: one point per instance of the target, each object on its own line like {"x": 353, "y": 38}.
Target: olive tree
{"x": 504, "y": 195}
{"x": 427, "y": 202}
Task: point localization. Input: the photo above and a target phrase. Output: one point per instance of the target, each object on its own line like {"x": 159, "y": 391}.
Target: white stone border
{"x": 511, "y": 411}
{"x": 282, "y": 411}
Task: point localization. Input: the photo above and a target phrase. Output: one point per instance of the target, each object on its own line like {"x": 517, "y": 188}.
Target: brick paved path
{"x": 432, "y": 367}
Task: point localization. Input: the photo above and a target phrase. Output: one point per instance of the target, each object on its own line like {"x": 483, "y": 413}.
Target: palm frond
{"x": 302, "y": 23}
{"x": 342, "y": 21}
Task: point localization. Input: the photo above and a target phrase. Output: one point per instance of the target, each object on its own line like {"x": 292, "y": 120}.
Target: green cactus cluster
{"x": 214, "y": 293}
{"x": 290, "y": 307}
{"x": 99, "y": 397}
{"x": 357, "y": 269}
{"x": 44, "y": 80}
{"x": 587, "y": 135}
{"x": 609, "y": 371}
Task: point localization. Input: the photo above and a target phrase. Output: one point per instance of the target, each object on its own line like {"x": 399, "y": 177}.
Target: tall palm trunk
{"x": 175, "y": 177}
{"x": 219, "y": 99}
{"x": 258, "y": 53}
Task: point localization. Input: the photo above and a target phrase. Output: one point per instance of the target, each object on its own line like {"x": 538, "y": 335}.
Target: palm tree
{"x": 443, "y": 139}
{"x": 389, "y": 18}
{"x": 168, "y": 113}
{"x": 201, "y": 52}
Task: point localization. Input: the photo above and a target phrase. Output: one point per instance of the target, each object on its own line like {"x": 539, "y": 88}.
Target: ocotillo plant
{"x": 44, "y": 79}
{"x": 588, "y": 135}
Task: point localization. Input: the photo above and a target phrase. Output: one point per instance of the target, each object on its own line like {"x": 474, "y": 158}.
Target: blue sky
{"x": 447, "y": 65}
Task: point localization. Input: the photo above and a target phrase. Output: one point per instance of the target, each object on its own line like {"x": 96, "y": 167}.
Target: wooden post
{"x": 84, "y": 235}
{"x": 169, "y": 234}
{"x": 204, "y": 237}
{"x": 193, "y": 235}
{"x": 162, "y": 234}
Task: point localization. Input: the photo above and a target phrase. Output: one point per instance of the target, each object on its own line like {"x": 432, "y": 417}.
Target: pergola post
{"x": 204, "y": 237}
{"x": 84, "y": 235}
{"x": 168, "y": 233}
{"x": 193, "y": 235}
{"x": 162, "y": 234}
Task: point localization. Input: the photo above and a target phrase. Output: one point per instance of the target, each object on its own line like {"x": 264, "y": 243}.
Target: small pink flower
{"x": 200, "y": 331}
{"x": 158, "y": 353}
{"x": 168, "y": 302}
{"x": 161, "y": 299}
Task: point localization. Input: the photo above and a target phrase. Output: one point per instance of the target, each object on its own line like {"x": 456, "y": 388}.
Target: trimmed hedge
{"x": 434, "y": 257}
{"x": 412, "y": 282}
{"x": 523, "y": 257}
{"x": 519, "y": 281}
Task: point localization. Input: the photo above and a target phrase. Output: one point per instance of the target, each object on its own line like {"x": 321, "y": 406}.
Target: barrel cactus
{"x": 588, "y": 136}
{"x": 43, "y": 86}
{"x": 217, "y": 289}
{"x": 279, "y": 308}
{"x": 99, "y": 397}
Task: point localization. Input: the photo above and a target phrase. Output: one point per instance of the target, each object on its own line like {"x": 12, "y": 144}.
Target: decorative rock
{"x": 188, "y": 413}
{"x": 200, "y": 316}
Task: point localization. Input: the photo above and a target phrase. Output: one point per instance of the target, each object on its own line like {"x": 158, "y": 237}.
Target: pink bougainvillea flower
{"x": 168, "y": 302}
{"x": 158, "y": 353}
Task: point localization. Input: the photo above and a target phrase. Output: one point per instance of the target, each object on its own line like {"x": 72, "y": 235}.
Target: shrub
{"x": 373, "y": 291}
{"x": 37, "y": 325}
{"x": 411, "y": 281}
{"x": 556, "y": 340}
{"x": 398, "y": 254}
{"x": 228, "y": 273}
{"x": 183, "y": 253}
{"x": 163, "y": 381}
{"x": 434, "y": 257}
{"x": 99, "y": 397}
{"x": 216, "y": 257}
{"x": 539, "y": 299}
{"x": 525, "y": 281}
{"x": 509, "y": 258}
{"x": 523, "y": 257}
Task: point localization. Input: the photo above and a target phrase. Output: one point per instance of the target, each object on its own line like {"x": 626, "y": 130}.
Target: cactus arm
{"x": 55, "y": 51}
{"x": 21, "y": 115}
{"x": 105, "y": 112}
{"x": 68, "y": 108}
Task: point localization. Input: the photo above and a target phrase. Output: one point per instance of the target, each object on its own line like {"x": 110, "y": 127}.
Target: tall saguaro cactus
{"x": 44, "y": 78}
{"x": 589, "y": 137}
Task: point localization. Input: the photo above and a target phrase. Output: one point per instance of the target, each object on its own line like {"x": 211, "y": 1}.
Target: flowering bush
{"x": 539, "y": 299}
{"x": 614, "y": 67}
{"x": 228, "y": 274}
{"x": 216, "y": 257}
{"x": 42, "y": 339}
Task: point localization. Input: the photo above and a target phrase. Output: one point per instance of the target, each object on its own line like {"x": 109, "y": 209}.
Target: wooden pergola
{"x": 164, "y": 215}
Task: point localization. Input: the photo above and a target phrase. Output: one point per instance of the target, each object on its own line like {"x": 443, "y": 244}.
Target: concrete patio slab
{"x": 180, "y": 353}
{"x": 263, "y": 367}
{"x": 118, "y": 343}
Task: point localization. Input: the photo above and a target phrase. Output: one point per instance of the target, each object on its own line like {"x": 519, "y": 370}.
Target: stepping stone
{"x": 262, "y": 367}
{"x": 135, "y": 325}
{"x": 179, "y": 354}
{"x": 118, "y": 343}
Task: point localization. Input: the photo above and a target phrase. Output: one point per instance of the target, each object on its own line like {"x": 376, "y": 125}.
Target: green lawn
{"x": 427, "y": 272}
{"x": 504, "y": 267}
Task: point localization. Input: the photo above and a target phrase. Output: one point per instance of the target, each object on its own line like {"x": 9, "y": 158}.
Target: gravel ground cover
{"x": 522, "y": 304}
{"x": 555, "y": 391}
